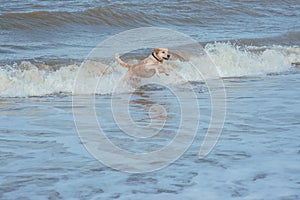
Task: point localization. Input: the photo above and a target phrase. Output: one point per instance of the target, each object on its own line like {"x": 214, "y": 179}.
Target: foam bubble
{"x": 28, "y": 80}
{"x": 235, "y": 61}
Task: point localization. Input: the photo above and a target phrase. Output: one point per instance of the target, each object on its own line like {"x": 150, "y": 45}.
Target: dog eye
{"x": 163, "y": 52}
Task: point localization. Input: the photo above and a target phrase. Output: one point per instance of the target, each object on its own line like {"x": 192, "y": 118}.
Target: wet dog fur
{"x": 150, "y": 66}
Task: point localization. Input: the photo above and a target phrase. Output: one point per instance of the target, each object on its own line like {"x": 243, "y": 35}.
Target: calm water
{"x": 252, "y": 43}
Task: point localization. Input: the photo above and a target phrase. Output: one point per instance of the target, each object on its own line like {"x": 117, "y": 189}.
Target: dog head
{"x": 162, "y": 53}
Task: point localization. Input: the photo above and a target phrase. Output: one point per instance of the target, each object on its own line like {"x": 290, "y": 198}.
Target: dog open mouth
{"x": 166, "y": 58}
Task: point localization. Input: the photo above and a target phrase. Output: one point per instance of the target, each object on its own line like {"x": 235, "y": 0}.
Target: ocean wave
{"x": 291, "y": 38}
{"x": 96, "y": 16}
{"x": 237, "y": 61}
{"x": 28, "y": 79}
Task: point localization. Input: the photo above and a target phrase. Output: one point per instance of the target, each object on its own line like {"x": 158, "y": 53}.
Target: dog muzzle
{"x": 167, "y": 58}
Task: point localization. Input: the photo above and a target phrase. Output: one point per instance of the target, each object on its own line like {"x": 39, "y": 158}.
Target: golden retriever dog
{"x": 148, "y": 67}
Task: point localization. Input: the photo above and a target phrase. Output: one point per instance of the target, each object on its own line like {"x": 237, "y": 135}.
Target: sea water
{"x": 252, "y": 44}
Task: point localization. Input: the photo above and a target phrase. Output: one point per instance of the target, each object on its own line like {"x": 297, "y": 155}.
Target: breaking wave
{"x": 29, "y": 79}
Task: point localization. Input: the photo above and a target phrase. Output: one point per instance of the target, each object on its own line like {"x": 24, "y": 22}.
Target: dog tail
{"x": 121, "y": 62}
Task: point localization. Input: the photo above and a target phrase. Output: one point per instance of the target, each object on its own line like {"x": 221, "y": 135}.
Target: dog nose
{"x": 168, "y": 56}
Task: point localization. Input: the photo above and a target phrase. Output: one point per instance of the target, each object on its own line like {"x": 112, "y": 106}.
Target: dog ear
{"x": 156, "y": 50}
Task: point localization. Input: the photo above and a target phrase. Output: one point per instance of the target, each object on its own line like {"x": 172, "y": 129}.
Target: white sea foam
{"x": 34, "y": 82}
{"x": 234, "y": 61}
{"x": 28, "y": 79}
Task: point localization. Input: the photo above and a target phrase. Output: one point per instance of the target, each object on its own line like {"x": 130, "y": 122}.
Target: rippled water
{"x": 257, "y": 155}
{"x": 44, "y": 30}
{"x": 255, "y": 47}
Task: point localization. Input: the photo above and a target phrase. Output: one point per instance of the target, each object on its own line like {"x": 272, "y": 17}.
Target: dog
{"x": 150, "y": 66}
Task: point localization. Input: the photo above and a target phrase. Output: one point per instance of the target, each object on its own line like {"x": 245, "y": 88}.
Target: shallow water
{"x": 47, "y": 30}
{"x": 252, "y": 45}
{"x": 257, "y": 155}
